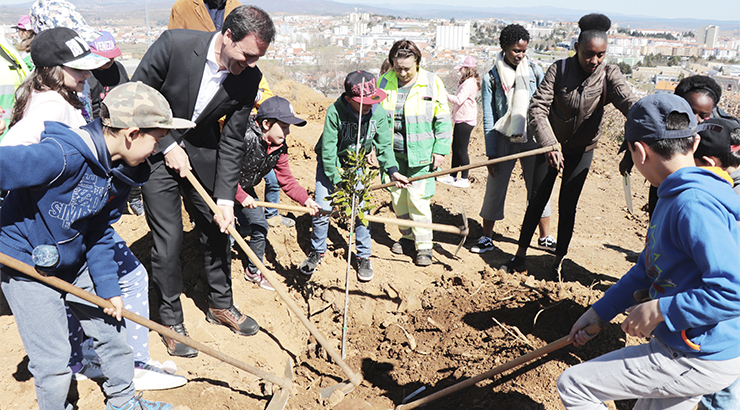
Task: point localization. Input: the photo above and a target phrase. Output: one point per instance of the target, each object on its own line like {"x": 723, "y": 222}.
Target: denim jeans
{"x": 255, "y": 219}
{"x": 320, "y": 230}
{"x": 726, "y": 399}
{"x": 272, "y": 193}
{"x": 40, "y": 317}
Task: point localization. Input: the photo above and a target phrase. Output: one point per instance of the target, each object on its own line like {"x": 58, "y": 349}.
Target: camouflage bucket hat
{"x": 136, "y": 104}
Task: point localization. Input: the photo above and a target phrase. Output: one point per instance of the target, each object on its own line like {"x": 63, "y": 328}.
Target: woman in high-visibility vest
{"x": 422, "y": 133}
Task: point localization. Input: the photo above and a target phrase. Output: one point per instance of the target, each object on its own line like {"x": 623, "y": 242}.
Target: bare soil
{"x": 410, "y": 327}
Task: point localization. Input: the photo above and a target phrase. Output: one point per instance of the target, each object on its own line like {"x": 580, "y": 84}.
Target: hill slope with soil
{"x": 410, "y": 327}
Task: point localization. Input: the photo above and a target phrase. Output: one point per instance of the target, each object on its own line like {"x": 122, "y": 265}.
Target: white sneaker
{"x": 461, "y": 183}
{"x": 90, "y": 370}
{"x": 152, "y": 376}
{"x": 446, "y": 180}
{"x": 485, "y": 244}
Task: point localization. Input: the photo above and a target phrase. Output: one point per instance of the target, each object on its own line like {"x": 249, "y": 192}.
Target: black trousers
{"x": 575, "y": 170}
{"x": 162, "y": 204}
{"x": 460, "y": 141}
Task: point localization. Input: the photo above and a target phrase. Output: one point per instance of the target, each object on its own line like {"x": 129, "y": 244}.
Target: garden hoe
{"x": 462, "y": 230}
{"x": 558, "y": 344}
{"x": 354, "y": 378}
{"x": 279, "y": 399}
{"x": 523, "y": 154}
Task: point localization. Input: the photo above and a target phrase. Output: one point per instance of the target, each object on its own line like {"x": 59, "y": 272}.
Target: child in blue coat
{"x": 687, "y": 278}
{"x": 65, "y": 192}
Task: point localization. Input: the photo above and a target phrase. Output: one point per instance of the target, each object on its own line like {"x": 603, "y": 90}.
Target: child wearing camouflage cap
{"x": 78, "y": 180}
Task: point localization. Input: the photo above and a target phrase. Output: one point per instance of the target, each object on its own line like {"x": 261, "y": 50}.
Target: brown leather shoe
{"x": 234, "y": 320}
{"x": 175, "y": 348}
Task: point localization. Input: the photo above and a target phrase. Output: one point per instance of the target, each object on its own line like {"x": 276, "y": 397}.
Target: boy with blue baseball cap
{"x": 686, "y": 281}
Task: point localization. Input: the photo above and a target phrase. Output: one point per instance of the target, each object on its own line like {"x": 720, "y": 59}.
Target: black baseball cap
{"x": 280, "y": 109}
{"x": 715, "y": 139}
{"x": 62, "y": 46}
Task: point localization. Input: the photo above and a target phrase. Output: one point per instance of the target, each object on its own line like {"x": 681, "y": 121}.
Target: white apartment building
{"x": 451, "y": 37}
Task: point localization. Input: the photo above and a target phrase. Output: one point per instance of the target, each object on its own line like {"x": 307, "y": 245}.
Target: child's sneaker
{"x": 90, "y": 370}
{"x": 547, "y": 243}
{"x": 461, "y": 183}
{"x": 311, "y": 262}
{"x": 447, "y": 179}
{"x": 88, "y": 352}
{"x": 364, "y": 270}
{"x": 278, "y": 219}
{"x": 137, "y": 403}
{"x": 152, "y": 376}
{"x": 485, "y": 244}
{"x": 257, "y": 278}
{"x": 137, "y": 206}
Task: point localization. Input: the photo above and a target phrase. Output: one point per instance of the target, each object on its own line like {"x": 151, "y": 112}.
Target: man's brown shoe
{"x": 234, "y": 320}
{"x": 175, "y": 348}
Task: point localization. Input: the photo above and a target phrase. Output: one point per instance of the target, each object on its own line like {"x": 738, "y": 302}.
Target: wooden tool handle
{"x": 355, "y": 378}
{"x": 476, "y": 165}
{"x": 373, "y": 218}
{"x": 163, "y": 330}
{"x": 558, "y": 344}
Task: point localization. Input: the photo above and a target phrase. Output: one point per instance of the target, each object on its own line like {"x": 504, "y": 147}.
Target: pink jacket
{"x": 463, "y": 103}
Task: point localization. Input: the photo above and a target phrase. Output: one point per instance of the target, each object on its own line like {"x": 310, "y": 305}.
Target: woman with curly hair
{"x": 703, "y": 94}
{"x": 507, "y": 90}
{"x": 567, "y": 109}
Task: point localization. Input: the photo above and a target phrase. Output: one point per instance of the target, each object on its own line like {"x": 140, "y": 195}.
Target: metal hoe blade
{"x": 463, "y": 229}
{"x": 280, "y": 399}
{"x": 344, "y": 386}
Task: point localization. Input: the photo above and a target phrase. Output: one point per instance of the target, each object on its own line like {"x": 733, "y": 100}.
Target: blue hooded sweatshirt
{"x": 691, "y": 263}
{"x": 64, "y": 194}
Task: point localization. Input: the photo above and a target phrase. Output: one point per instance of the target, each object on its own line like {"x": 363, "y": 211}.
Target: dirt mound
{"x": 308, "y": 103}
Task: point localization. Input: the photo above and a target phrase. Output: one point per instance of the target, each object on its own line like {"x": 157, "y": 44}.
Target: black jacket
{"x": 174, "y": 66}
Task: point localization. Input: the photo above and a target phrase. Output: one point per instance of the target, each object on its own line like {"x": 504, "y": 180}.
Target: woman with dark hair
{"x": 464, "y": 117}
{"x": 416, "y": 105}
{"x": 507, "y": 90}
{"x": 567, "y": 109}
{"x": 703, "y": 94}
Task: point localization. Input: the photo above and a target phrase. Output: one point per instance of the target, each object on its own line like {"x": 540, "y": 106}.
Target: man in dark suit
{"x": 204, "y": 76}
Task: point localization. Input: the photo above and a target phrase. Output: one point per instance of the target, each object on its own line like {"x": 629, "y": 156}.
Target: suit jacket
{"x": 193, "y": 15}
{"x": 174, "y": 65}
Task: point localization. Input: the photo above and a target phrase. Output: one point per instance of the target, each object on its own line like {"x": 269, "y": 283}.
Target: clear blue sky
{"x": 700, "y": 9}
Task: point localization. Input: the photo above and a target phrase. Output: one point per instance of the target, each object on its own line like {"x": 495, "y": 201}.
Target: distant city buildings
{"x": 361, "y": 38}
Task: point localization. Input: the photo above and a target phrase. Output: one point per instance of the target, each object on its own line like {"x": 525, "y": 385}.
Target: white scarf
{"x": 513, "y": 124}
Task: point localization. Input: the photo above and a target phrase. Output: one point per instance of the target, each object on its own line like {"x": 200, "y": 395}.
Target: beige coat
{"x": 572, "y": 102}
{"x": 193, "y": 15}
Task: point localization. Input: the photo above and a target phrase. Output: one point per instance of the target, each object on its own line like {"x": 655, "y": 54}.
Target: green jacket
{"x": 427, "y": 116}
{"x": 340, "y": 135}
{"x": 12, "y": 72}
